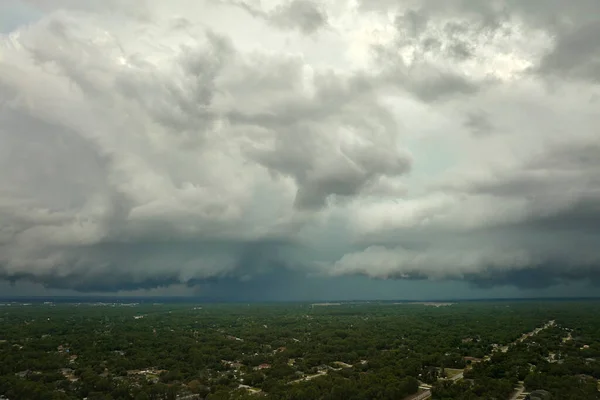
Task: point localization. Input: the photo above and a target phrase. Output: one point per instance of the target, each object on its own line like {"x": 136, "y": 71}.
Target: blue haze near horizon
{"x": 269, "y": 288}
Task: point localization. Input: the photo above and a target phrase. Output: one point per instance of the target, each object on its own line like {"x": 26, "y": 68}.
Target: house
{"x": 232, "y": 364}
{"x": 23, "y": 374}
{"x": 586, "y": 378}
{"x": 263, "y": 366}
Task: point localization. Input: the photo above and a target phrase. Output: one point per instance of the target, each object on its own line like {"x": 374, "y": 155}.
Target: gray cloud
{"x": 304, "y": 15}
{"x": 121, "y": 167}
{"x": 202, "y": 144}
{"x": 414, "y": 22}
{"x": 478, "y": 122}
{"x": 576, "y": 54}
{"x": 423, "y": 80}
{"x": 122, "y": 266}
{"x": 460, "y": 51}
{"x": 415, "y": 60}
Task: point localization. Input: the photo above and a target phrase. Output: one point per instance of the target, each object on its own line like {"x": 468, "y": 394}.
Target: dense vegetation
{"x": 297, "y": 351}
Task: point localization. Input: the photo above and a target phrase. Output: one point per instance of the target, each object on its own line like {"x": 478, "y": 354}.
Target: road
{"x": 458, "y": 376}
{"x": 309, "y": 377}
{"x": 519, "y": 390}
{"x": 422, "y": 396}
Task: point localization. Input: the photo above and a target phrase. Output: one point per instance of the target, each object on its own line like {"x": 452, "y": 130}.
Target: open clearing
{"x": 452, "y": 372}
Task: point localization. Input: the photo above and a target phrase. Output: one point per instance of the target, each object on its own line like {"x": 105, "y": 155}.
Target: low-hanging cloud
{"x": 159, "y": 145}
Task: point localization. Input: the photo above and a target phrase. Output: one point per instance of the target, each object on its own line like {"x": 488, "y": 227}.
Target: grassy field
{"x": 451, "y": 372}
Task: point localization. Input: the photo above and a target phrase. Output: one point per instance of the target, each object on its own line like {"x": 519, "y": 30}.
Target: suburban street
{"x": 422, "y": 396}
{"x": 519, "y": 390}
{"x": 458, "y": 376}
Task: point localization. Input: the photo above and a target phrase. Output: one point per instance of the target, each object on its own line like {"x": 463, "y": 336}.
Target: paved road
{"x": 427, "y": 393}
{"x": 309, "y": 377}
{"x": 458, "y": 376}
{"x": 519, "y": 391}
{"x": 422, "y": 396}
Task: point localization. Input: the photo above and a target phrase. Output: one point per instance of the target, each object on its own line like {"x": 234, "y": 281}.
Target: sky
{"x": 299, "y": 150}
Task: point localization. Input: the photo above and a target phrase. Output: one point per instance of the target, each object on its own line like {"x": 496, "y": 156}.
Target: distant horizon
{"x": 200, "y": 299}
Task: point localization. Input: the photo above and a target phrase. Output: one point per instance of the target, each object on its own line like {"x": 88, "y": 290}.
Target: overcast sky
{"x": 295, "y": 150}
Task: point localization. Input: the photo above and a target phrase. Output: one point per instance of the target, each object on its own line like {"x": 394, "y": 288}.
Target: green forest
{"x": 347, "y": 351}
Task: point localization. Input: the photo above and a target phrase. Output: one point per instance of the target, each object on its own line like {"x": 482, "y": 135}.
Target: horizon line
{"x": 200, "y": 299}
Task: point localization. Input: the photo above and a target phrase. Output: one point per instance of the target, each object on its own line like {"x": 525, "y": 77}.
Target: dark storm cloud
{"x": 114, "y": 267}
{"x": 536, "y": 277}
{"x": 86, "y": 283}
{"x": 144, "y": 174}
{"x": 203, "y": 144}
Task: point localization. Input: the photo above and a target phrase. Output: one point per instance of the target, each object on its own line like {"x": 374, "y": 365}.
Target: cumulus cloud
{"x": 151, "y": 144}
{"x": 115, "y": 150}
